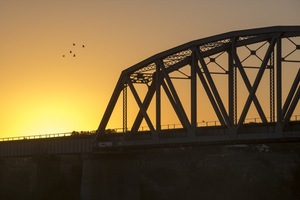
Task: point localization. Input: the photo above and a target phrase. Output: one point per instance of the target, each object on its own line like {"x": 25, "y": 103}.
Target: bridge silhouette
{"x": 243, "y": 61}
{"x": 255, "y": 70}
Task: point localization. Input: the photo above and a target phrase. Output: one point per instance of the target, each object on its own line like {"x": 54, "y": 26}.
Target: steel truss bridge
{"x": 239, "y": 72}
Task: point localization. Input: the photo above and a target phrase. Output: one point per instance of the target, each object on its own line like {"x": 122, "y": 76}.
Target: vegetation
{"x": 83, "y": 133}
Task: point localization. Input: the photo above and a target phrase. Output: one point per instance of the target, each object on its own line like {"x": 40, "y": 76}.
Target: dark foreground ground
{"x": 253, "y": 171}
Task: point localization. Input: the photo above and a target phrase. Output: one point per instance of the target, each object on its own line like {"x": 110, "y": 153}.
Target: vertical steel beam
{"x": 235, "y": 85}
{"x": 272, "y": 89}
{"x": 279, "y": 82}
{"x": 125, "y": 108}
{"x": 194, "y": 93}
{"x": 158, "y": 99}
{"x": 231, "y": 84}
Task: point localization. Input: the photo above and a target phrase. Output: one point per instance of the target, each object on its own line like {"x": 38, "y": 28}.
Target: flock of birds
{"x": 72, "y": 52}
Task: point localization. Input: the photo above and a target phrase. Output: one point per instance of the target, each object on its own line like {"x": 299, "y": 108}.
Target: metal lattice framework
{"x": 237, "y": 50}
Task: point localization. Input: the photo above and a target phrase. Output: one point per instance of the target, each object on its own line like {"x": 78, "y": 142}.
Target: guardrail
{"x": 120, "y": 130}
{"x": 199, "y": 124}
{"x": 44, "y": 136}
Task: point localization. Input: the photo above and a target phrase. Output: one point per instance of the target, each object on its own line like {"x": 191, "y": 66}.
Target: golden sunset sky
{"x": 43, "y": 92}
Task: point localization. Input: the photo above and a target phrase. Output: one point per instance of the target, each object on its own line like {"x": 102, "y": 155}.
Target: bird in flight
{"x": 72, "y": 52}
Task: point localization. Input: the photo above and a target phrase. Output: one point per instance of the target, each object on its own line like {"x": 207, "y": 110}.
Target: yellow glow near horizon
{"x": 44, "y": 92}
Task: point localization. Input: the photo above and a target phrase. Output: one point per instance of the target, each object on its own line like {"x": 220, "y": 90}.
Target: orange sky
{"x": 43, "y": 92}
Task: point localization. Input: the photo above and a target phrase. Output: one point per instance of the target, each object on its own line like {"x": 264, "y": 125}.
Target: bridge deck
{"x": 48, "y": 146}
{"x": 80, "y": 144}
{"x": 256, "y": 132}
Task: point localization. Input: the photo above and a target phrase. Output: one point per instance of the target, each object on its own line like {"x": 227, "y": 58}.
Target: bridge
{"x": 192, "y": 133}
{"x": 238, "y": 72}
{"x": 233, "y": 74}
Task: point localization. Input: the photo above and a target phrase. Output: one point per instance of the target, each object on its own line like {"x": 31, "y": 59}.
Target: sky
{"x": 43, "y": 92}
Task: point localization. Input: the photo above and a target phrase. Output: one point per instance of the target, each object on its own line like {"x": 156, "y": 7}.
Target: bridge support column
{"x": 109, "y": 176}
{"x": 279, "y": 86}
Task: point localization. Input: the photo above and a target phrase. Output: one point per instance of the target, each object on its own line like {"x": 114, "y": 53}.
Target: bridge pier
{"x": 109, "y": 176}
{"x": 208, "y": 171}
{"x": 56, "y": 177}
{"x": 40, "y": 177}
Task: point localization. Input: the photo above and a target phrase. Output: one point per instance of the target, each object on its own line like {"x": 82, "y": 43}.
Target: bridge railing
{"x": 203, "y": 124}
{"x": 258, "y": 120}
{"x": 44, "y": 136}
{"x": 199, "y": 124}
{"x": 168, "y": 126}
{"x": 120, "y": 130}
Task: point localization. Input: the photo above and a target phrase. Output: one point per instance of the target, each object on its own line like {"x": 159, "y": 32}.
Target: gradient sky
{"x": 43, "y": 92}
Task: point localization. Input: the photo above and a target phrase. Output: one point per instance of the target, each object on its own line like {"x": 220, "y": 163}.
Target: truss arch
{"x": 246, "y": 59}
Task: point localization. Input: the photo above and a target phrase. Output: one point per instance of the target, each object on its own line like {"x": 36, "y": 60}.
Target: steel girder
{"x": 155, "y": 73}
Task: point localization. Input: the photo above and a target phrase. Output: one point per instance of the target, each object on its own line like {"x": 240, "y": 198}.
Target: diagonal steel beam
{"x": 249, "y": 88}
{"x": 213, "y": 89}
{"x": 172, "y": 101}
{"x": 178, "y": 106}
{"x": 152, "y": 89}
{"x": 292, "y": 107}
{"x": 140, "y": 104}
{"x": 210, "y": 95}
{"x": 146, "y": 103}
{"x": 111, "y": 105}
{"x": 257, "y": 81}
{"x": 291, "y": 94}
